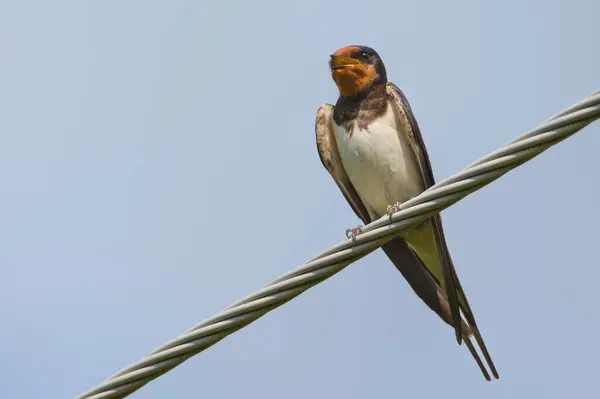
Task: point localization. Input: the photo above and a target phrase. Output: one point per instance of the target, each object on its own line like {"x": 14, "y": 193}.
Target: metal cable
{"x": 333, "y": 260}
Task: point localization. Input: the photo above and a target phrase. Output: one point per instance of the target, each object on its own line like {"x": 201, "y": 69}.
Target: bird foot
{"x": 391, "y": 209}
{"x": 354, "y": 232}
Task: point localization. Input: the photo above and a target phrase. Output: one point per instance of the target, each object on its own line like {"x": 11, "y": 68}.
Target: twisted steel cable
{"x": 321, "y": 267}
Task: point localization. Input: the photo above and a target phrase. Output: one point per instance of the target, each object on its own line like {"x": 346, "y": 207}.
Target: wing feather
{"x": 422, "y": 157}
{"x": 456, "y": 296}
{"x": 330, "y": 157}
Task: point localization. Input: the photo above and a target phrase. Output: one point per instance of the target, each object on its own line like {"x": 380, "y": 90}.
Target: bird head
{"x": 356, "y": 69}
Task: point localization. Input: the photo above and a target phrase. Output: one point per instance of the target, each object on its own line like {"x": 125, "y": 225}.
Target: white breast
{"x": 379, "y": 162}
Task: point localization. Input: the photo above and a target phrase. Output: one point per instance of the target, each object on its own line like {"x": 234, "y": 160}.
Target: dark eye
{"x": 364, "y": 55}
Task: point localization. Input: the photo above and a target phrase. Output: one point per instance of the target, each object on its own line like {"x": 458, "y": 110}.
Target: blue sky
{"x": 158, "y": 162}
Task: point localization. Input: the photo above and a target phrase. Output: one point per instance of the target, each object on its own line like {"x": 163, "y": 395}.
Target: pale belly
{"x": 379, "y": 162}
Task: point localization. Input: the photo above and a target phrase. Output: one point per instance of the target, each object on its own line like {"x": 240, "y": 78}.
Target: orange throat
{"x": 353, "y": 79}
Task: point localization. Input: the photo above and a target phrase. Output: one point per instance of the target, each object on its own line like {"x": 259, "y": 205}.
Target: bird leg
{"x": 391, "y": 209}
{"x": 354, "y": 232}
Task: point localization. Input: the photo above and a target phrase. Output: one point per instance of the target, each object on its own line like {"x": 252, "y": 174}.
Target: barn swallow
{"x": 371, "y": 145}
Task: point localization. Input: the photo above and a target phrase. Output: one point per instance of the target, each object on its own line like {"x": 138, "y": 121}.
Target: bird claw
{"x": 354, "y": 232}
{"x": 391, "y": 209}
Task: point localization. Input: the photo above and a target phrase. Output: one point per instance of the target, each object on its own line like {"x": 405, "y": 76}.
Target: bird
{"x": 371, "y": 145}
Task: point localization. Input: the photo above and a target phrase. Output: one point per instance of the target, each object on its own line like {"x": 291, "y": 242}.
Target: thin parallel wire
{"x": 336, "y": 258}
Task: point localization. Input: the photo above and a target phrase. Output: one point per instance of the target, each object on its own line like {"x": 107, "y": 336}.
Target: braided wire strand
{"x": 375, "y": 234}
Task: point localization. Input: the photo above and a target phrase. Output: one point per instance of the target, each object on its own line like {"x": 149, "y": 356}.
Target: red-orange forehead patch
{"x": 347, "y": 51}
